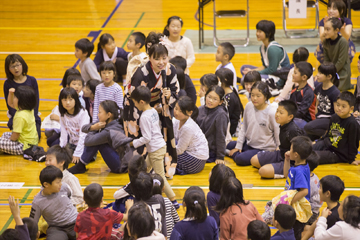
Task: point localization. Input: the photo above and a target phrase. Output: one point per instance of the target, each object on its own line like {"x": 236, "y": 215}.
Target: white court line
{"x": 42, "y": 53}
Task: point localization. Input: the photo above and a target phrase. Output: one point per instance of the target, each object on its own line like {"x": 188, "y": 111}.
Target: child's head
{"x": 69, "y": 102}
{"x": 250, "y": 78}
{"x": 285, "y": 216}
{"x": 136, "y": 165}
{"x": 344, "y": 104}
{"x": 258, "y": 230}
{"x": 218, "y": 175}
{"x": 185, "y": 108}
{"x": 331, "y": 188}
{"x": 179, "y": 62}
{"x": 10, "y": 234}
{"x": 25, "y": 98}
{"x": 302, "y": 72}
{"x": 208, "y": 80}
{"x": 327, "y": 72}
{"x": 349, "y": 211}
{"x": 50, "y": 178}
{"x": 231, "y": 193}
{"x": 332, "y": 27}
{"x": 140, "y": 221}
{"x": 32, "y": 226}
{"x": 15, "y": 66}
{"x": 90, "y": 87}
{"x": 93, "y": 195}
{"x": 313, "y": 161}
{"x": 108, "y": 111}
{"x": 214, "y": 97}
{"x": 152, "y": 39}
{"x": 68, "y": 72}
{"x": 260, "y": 94}
{"x": 141, "y": 97}
{"x": 173, "y": 27}
{"x": 301, "y": 148}
{"x": 226, "y": 76}
{"x": 158, "y": 184}
{"x": 107, "y": 42}
{"x": 107, "y": 72}
{"x": 225, "y": 52}
{"x": 336, "y": 8}
{"x": 136, "y": 41}
{"x": 301, "y": 54}
{"x": 265, "y": 30}
{"x": 142, "y": 186}
{"x": 194, "y": 201}
{"x": 76, "y": 82}
{"x": 158, "y": 56}
{"x": 58, "y": 157}
{"x": 83, "y": 48}
{"x": 181, "y": 78}
{"x": 285, "y": 112}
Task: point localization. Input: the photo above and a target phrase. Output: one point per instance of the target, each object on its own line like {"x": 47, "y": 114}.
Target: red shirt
{"x": 96, "y": 223}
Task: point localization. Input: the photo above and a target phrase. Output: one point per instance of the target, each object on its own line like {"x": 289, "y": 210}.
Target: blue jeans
{"x": 110, "y": 156}
{"x": 242, "y": 158}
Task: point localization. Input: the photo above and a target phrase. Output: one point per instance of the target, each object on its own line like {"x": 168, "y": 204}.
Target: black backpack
{"x": 35, "y": 153}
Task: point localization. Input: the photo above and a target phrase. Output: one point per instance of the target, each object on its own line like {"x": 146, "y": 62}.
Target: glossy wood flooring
{"x": 44, "y": 33}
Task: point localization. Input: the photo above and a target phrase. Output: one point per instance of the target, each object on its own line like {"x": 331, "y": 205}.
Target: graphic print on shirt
{"x": 157, "y": 216}
{"x": 73, "y": 130}
{"x": 324, "y": 103}
{"x": 335, "y": 134}
{"x": 288, "y": 181}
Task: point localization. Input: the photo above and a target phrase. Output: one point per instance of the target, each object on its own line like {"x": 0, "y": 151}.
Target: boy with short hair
{"x": 284, "y": 220}
{"x": 224, "y": 54}
{"x": 341, "y": 142}
{"x": 83, "y": 50}
{"x": 258, "y": 230}
{"x": 60, "y": 158}
{"x": 54, "y": 204}
{"x": 298, "y": 176}
{"x": 303, "y": 94}
{"x": 271, "y": 164}
{"x": 135, "y": 43}
{"x": 96, "y": 222}
{"x": 76, "y": 82}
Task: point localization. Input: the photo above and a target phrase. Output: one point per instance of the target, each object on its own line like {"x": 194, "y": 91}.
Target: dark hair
{"x": 304, "y": 68}
{"x": 68, "y": 72}
{"x": 152, "y": 39}
{"x": 91, "y": 84}
{"x": 231, "y": 193}
{"x": 66, "y": 93}
{"x": 252, "y": 76}
{"x": 181, "y": 78}
{"x": 26, "y": 96}
{"x": 351, "y": 211}
{"x": 141, "y": 93}
{"x": 142, "y": 186}
{"x": 302, "y": 145}
{"x": 339, "y": 5}
{"x": 185, "y": 104}
{"x": 263, "y": 88}
{"x": 141, "y": 222}
{"x": 104, "y": 39}
{"x": 218, "y": 90}
{"x": 258, "y": 230}
{"x": 301, "y": 54}
{"x": 49, "y": 174}
{"x": 158, "y": 184}
{"x": 289, "y": 106}
{"x": 348, "y": 97}
{"x": 74, "y": 77}
{"x": 226, "y": 76}
{"x": 85, "y": 46}
{"x": 166, "y": 32}
{"x": 32, "y": 226}
{"x": 328, "y": 68}
{"x": 10, "y": 234}
{"x": 110, "y": 106}
{"x": 139, "y": 38}
{"x": 336, "y": 23}
{"x": 61, "y": 154}
{"x": 136, "y": 165}
{"x": 285, "y": 215}
{"x": 13, "y": 58}
{"x": 109, "y": 66}
{"x": 334, "y": 185}
{"x": 313, "y": 161}
{"x": 219, "y": 173}
{"x": 157, "y": 50}
{"x": 194, "y": 199}
{"x": 93, "y": 195}
{"x": 209, "y": 80}
{"x": 268, "y": 27}
{"x": 179, "y": 62}
{"x": 228, "y": 49}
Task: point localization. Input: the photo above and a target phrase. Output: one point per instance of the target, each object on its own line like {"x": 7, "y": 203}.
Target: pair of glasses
{"x": 15, "y": 66}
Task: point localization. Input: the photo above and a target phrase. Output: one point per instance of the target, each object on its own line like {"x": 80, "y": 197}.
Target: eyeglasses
{"x": 16, "y": 66}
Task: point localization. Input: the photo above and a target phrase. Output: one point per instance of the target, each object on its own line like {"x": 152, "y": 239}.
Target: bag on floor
{"x": 35, "y": 153}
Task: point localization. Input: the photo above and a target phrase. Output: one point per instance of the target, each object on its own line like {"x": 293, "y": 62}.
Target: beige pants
{"x": 155, "y": 160}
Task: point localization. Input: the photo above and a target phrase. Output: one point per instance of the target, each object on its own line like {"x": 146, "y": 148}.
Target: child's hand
{"x": 356, "y": 162}
{"x": 326, "y": 18}
{"x": 246, "y": 70}
{"x": 11, "y": 90}
{"x": 219, "y": 161}
{"x": 14, "y": 206}
{"x": 128, "y": 204}
{"x": 75, "y": 159}
{"x": 234, "y": 151}
{"x": 287, "y": 156}
{"x": 202, "y": 91}
{"x": 98, "y": 126}
{"x": 356, "y": 113}
{"x": 166, "y": 92}
{"x": 325, "y": 213}
{"x": 114, "y": 61}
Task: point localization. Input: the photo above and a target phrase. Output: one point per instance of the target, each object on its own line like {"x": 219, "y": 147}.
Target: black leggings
{"x": 317, "y": 128}
{"x": 325, "y": 156}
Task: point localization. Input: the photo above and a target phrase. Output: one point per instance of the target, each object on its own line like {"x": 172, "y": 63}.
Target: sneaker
{"x": 175, "y": 204}
{"x": 78, "y": 168}
{"x": 274, "y": 92}
{"x": 242, "y": 91}
{"x": 271, "y": 83}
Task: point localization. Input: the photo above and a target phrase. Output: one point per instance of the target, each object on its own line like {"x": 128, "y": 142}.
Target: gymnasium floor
{"x": 44, "y": 33}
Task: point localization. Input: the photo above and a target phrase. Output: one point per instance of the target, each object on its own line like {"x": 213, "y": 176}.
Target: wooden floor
{"x": 44, "y": 33}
